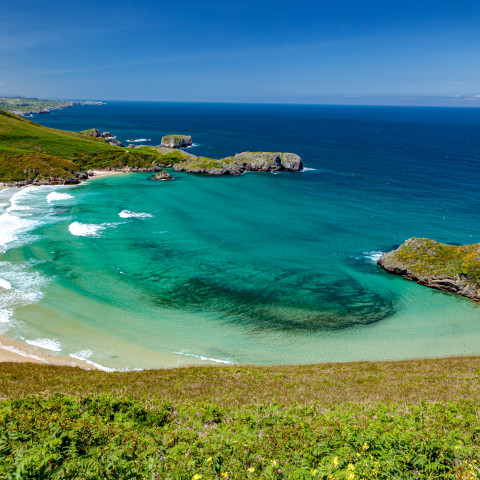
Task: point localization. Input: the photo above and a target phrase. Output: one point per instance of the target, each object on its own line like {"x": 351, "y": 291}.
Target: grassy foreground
{"x": 389, "y": 420}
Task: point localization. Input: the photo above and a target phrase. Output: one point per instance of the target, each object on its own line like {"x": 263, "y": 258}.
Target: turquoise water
{"x": 261, "y": 268}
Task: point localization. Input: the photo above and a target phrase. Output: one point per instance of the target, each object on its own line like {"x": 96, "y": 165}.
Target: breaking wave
{"x": 129, "y": 214}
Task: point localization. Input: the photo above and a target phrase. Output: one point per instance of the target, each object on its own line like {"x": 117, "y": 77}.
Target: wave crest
{"x": 129, "y": 214}
{"x": 55, "y": 196}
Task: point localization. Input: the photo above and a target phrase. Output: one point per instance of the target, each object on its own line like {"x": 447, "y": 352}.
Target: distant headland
{"x": 26, "y": 107}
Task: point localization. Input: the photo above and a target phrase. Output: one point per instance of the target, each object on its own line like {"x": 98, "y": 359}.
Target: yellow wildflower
{"x": 313, "y": 472}
{"x": 274, "y": 463}
{"x": 365, "y": 446}
{"x": 251, "y": 470}
{"x": 224, "y": 474}
{"x": 209, "y": 459}
{"x": 350, "y": 467}
{"x": 335, "y": 462}
{"x": 197, "y": 476}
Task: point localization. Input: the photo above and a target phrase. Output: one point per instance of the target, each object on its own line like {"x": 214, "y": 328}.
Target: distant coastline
{"x": 27, "y": 107}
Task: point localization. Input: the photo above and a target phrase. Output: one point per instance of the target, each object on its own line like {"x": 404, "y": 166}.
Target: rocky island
{"x": 437, "y": 265}
{"x": 176, "y": 141}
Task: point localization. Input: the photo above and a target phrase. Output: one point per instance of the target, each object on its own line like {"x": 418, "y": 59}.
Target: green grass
{"x": 209, "y": 163}
{"x": 413, "y": 381}
{"x": 22, "y": 166}
{"x": 20, "y": 135}
{"x": 163, "y": 155}
{"x": 386, "y": 420}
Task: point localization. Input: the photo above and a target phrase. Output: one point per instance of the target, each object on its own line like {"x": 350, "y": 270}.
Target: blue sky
{"x": 359, "y": 52}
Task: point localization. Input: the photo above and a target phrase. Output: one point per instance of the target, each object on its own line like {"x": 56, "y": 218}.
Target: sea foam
{"x": 306, "y": 169}
{"x": 9, "y": 348}
{"x": 20, "y": 287}
{"x": 46, "y": 343}
{"x": 373, "y": 256}
{"x": 206, "y": 359}
{"x": 84, "y": 355}
{"x": 5, "y": 284}
{"x": 129, "y": 214}
{"x": 11, "y": 226}
{"x": 56, "y": 196}
{"x": 86, "y": 229}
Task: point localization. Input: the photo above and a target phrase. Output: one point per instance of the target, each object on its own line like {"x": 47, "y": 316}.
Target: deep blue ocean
{"x": 261, "y": 268}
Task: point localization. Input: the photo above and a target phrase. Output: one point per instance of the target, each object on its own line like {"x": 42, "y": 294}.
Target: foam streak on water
{"x": 46, "y": 343}
{"x": 204, "y": 358}
{"x": 129, "y": 214}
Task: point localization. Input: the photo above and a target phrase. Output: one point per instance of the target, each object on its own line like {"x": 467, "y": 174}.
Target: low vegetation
{"x": 165, "y": 156}
{"x": 22, "y": 166}
{"x": 428, "y": 257}
{"x": 387, "y": 420}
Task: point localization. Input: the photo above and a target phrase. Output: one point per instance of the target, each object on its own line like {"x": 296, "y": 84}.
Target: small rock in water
{"x": 162, "y": 175}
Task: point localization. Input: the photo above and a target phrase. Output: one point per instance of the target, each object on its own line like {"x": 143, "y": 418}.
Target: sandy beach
{"x": 11, "y": 351}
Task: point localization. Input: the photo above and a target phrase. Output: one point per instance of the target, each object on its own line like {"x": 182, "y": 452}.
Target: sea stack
{"x": 437, "y": 265}
{"x": 176, "y": 141}
{"x": 162, "y": 175}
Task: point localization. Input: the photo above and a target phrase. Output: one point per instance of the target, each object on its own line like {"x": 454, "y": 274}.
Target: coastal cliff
{"x": 437, "y": 265}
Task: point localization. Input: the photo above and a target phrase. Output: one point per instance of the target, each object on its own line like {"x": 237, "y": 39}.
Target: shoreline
{"x": 97, "y": 173}
{"x": 19, "y": 352}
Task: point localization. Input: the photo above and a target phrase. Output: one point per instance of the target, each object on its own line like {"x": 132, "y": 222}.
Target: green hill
{"x": 29, "y": 150}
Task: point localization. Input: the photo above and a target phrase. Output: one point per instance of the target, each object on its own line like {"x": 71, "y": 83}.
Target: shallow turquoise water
{"x": 261, "y": 268}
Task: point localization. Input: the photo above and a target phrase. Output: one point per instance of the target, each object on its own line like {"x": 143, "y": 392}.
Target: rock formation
{"x": 242, "y": 162}
{"x": 162, "y": 175}
{"x": 437, "y": 265}
{"x": 176, "y": 141}
{"x": 114, "y": 141}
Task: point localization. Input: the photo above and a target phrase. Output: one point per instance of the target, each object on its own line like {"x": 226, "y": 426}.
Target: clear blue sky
{"x": 389, "y": 51}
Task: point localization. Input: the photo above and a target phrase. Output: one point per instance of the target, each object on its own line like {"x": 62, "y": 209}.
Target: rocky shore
{"x": 437, "y": 265}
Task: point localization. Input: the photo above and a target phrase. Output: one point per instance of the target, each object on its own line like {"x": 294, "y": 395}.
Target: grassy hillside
{"x": 391, "y": 420}
{"x": 57, "y": 153}
{"x": 20, "y": 135}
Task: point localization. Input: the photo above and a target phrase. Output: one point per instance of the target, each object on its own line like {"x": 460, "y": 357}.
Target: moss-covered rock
{"x": 437, "y": 265}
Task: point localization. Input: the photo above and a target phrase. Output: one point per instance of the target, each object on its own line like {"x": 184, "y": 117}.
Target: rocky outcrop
{"x": 437, "y": 265}
{"x": 242, "y": 162}
{"x": 162, "y": 175}
{"x": 114, "y": 141}
{"x": 176, "y": 141}
{"x": 269, "y": 161}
